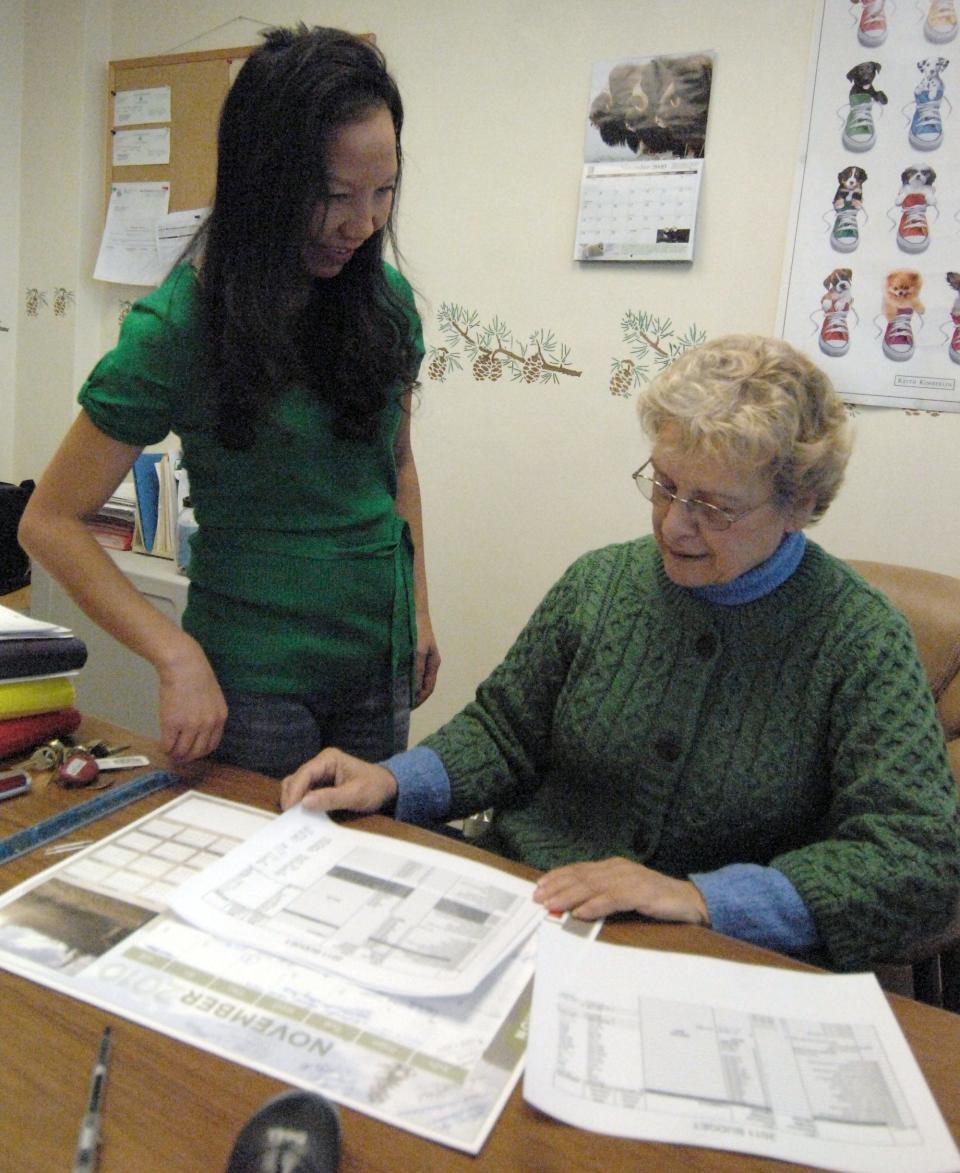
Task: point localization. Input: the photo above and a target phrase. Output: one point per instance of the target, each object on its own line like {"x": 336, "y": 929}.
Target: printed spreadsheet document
{"x": 806, "y": 1067}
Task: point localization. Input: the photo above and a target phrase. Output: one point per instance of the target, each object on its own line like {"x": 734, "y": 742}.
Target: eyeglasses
{"x": 702, "y": 513}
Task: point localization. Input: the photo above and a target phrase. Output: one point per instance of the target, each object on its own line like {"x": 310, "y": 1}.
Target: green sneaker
{"x": 858, "y": 130}
{"x": 845, "y": 235}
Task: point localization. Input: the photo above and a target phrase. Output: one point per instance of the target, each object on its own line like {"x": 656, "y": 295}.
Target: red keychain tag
{"x": 13, "y": 782}
{"x": 79, "y": 769}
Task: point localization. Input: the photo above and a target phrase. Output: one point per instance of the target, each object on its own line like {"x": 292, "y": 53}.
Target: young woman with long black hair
{"x": 283, "y": 352}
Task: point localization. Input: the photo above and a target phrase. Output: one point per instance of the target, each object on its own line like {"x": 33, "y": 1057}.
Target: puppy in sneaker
{"x": 917, "y": 182}
{"x": 862, "y": 76}
{"x": 901, "y": 292}
{"x": 930, "y": 85}
{"x": 850, "y": 188}
{"x": 839, "y": 286}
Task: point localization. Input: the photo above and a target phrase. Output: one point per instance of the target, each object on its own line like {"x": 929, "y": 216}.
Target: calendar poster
{"x": 871, "y": 285}
{"x": 643, "y": 158}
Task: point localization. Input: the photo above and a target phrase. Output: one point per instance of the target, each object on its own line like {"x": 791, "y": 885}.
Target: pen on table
{"x": 66, "y": 848}
{"x": 88, "y": 1142}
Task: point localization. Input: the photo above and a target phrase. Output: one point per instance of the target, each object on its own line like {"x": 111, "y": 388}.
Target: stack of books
{"x": 158, "y": 487}
{"x": 114, "y": 522}
{"x": 38, "y": 662}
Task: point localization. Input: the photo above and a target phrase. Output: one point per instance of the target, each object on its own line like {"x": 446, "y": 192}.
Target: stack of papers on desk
{"x": 397, "y": 980}
{"x": 392, "y": 916}
{"x": 15, "y": 625}
{"x": 440, "y": 1062}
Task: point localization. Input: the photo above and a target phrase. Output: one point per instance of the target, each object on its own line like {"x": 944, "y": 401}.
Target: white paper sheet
{"x": 16, "y": 625}
{"x": 137, "y": 107}
{"x": 141, "y": 148}
{"x": 174, "y": 233}
{"x": 641, "y": 211}
{"x": 128, "y": 250}
{"x": 693, "y": 1050}
{"x": 397, "y": 917}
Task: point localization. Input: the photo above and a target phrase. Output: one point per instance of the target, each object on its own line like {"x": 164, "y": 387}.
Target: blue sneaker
{"x": 926, "y": 127}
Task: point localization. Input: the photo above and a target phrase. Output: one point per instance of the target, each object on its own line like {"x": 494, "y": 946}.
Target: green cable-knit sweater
{"x": 797, "y": 731}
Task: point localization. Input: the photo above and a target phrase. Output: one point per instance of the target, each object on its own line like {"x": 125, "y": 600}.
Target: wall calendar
{"x": 643, "y": 159}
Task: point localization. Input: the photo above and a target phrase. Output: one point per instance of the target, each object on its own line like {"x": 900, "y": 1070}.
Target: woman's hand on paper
{"x": 591, "y": 890}
{"x": 192, "y": 708}
{"x": 335, "y": 781}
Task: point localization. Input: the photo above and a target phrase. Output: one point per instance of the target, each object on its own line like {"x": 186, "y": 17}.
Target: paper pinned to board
{"x": 142, "y": 241}
{"x": 174, "y": 233}
{"x": 141, "y": 148}
{"x": 141, "y": 106}
{"x": 128, "y": 251}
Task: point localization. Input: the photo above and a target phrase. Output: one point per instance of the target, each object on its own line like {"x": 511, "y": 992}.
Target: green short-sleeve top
{"x": 301, "y": 571}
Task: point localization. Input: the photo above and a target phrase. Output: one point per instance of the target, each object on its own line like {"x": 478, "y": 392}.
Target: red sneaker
{"x": 873, "y": 23}
{"x": 913, "y": 235}
{"x": 898, "y": 337}
{"x": 834, "y": 335}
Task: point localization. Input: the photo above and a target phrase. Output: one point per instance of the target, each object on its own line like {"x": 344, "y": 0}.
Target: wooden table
{"x": 173, "y": 1108}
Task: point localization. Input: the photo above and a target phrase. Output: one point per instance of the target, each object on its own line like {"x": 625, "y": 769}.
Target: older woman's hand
{"x": 592, "y": 890}
{"x": 335, "y": 781}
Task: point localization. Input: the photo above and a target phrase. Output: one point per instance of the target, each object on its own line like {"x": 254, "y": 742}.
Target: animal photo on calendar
{"x": 652, "y": 106}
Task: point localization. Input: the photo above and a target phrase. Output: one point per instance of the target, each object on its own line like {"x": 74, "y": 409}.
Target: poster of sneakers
{"x": 644, "y": 150}
{"x": 871, "y": 278}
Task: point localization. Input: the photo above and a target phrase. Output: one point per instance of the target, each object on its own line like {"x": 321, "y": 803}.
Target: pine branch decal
{"x": 652, "y": 344}
{"x": 492, "y": 349}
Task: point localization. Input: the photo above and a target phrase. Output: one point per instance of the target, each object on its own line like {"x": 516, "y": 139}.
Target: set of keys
{"x": 74, "y": 766}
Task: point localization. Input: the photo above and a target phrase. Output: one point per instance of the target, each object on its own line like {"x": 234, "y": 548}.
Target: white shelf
{"x": 114, "y": 683}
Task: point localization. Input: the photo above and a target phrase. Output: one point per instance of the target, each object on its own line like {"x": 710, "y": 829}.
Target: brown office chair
{"x": 931, "y": 603}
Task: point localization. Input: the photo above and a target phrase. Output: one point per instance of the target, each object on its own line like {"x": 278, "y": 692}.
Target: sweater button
{"x": 705, "y": 646}
{"x": 667, "y": 747}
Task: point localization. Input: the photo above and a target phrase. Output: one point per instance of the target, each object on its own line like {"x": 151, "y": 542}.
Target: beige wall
{"x": 517, "y": 479}
{"x": 11, "y": 102}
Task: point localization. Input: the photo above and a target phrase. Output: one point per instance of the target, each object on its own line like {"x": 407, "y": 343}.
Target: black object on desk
{"x": 297, "y": 1131}
{"x": 88, "y": 1142}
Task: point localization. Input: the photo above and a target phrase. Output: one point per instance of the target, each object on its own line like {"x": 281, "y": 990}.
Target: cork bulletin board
{"x": 198, "y": 83}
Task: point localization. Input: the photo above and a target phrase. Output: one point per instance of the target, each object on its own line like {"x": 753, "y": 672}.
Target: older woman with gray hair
{"x": 720, "y": 723}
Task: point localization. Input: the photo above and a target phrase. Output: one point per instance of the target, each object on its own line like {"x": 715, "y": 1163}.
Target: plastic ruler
{"x": 65, "y": 821}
